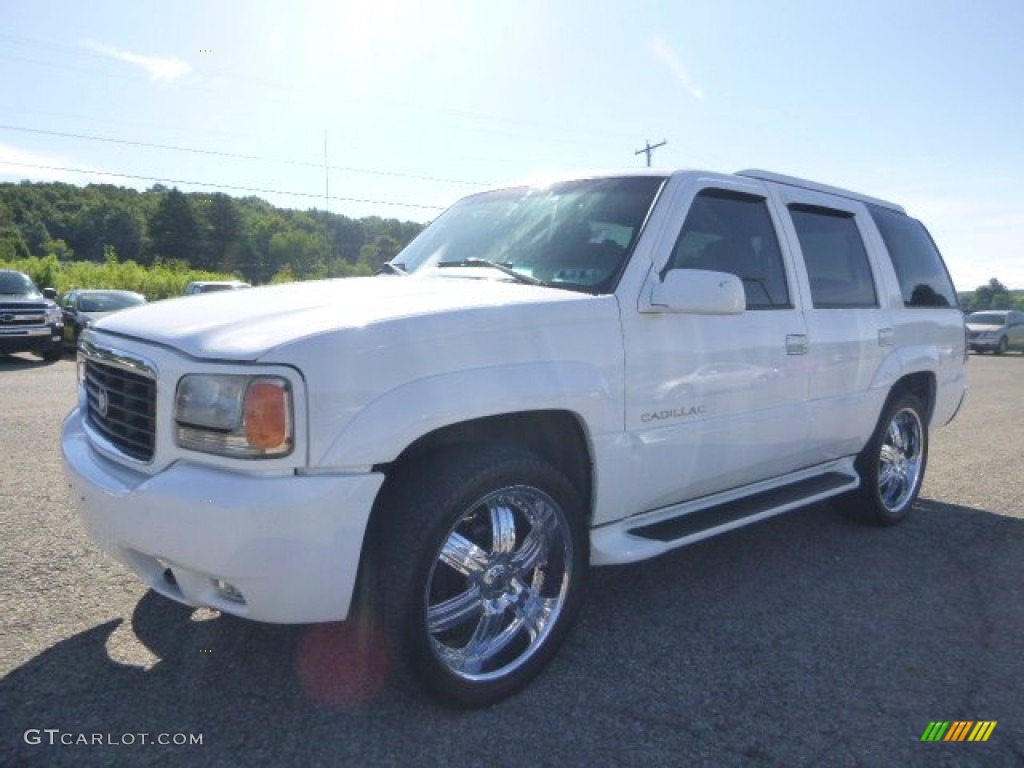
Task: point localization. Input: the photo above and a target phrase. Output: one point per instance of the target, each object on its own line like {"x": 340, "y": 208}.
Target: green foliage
{"x": 284, "y": 275}
{"x": 175, "y": 231}
{"x": 984, "y": 296}
{"x": 305, "y": 254}
{"x": 159, "y": 281}
{"x": 58, "y": 248}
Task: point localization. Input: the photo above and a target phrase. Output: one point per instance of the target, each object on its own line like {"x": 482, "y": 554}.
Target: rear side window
{"x": 732, "y": 232}
{"x": 924, "y": 281}
{"x": 836, "y": 260}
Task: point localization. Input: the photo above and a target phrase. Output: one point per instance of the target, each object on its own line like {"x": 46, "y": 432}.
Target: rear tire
{"x": 483, "y": 554}
{"x": 892, "y": 464}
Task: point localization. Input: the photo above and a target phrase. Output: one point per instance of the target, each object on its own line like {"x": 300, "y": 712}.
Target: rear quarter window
{"x": 924, "y": 281}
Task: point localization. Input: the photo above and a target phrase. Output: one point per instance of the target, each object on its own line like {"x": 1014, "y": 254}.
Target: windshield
{"x": 108, "y": 302}
{"x": 575, "y": 234}
{"x": 17, "y": 284}
{"x": 986, "y": 318}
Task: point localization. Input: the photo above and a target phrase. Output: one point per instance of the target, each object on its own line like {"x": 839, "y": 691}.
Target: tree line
{"x": 65, "y": 234}
{"x": 992, "y": 295}
{"x": 209, "y": 232}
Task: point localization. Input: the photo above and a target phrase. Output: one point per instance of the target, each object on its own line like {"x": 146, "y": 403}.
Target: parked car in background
{"x": 81, "y": 308}
{"x": 208, "y": 286}
{"x": 996, "y": 330}
{"x": 30, "y": 321}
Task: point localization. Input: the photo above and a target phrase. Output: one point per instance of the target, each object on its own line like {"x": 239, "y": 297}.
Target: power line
{"x": 219, "y": 186}
{"x": 237, "y": 156}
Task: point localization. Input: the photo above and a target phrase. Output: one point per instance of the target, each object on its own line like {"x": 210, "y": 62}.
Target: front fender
{"x": 395, "y": 419}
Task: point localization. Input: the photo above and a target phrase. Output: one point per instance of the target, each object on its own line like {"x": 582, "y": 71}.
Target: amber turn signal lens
{"x": 266, "y": 414}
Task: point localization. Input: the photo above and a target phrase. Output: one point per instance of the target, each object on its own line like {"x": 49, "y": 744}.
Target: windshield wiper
{"x": 519, "y": 276}
{"x": 391, "y": 268}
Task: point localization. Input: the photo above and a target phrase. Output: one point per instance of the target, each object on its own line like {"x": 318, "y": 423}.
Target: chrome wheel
{"x": 892, "y": 465}
{"x": 498, "y": 583}
{"x": 900, "y": 462}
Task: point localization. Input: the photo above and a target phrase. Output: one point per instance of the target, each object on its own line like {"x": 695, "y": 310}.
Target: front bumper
{"x": 288, "y": 544}
{"x": 31, "y": 339}
{"x": 983, "y": 346}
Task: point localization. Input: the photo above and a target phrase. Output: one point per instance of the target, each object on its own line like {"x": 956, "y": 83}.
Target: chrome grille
{"x": 122, "y": 408}
{"x": 13, "y": 314}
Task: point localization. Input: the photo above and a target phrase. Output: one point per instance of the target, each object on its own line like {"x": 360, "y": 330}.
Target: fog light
{"x": 228, "y": 591}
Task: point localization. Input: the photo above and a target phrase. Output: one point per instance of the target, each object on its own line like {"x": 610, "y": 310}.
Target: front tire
{"x": 1001, "y": 346}
{"x": 54, "y": 353}
{"x": 892, "y": 464}
{"x": 484, "y": 555}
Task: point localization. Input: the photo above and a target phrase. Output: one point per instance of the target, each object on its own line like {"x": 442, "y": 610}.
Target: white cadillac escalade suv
{"x": 592, "y": 371}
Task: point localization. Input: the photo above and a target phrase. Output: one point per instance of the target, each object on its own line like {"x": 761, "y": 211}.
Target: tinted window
{"x": 924, "y": 281}
{"x": 17, "y": 284}
{"x": 837, "y": 263}
{"x": 108, "y": 302}
{"x": 732, "y": 232}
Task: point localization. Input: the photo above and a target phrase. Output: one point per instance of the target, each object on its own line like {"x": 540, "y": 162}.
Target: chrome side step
{"x": 654, "y": 533}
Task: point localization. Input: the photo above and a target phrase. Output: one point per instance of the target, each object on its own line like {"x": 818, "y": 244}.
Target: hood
{"x": 984, "y": 327}
{"x": 21, "y": 300}
{"x": 244, "y": 325}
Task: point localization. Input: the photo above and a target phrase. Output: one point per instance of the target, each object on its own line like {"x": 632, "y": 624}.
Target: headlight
{"x": 53, "y": 314}
{"x": 245, "y": 416}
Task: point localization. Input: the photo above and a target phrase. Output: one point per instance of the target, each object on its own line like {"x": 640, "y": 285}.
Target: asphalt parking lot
{"x": 807, "y": 640}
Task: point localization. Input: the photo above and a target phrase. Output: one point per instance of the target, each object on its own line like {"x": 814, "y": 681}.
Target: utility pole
{"x": 649, "y": 149}
{"x": 327, "y": 179}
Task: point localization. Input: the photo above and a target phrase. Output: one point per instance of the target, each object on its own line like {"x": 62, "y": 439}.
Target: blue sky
{"x": 423, "y": 102}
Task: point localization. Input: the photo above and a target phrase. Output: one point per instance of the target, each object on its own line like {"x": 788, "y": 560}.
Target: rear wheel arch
{"x": 922, "y": 385}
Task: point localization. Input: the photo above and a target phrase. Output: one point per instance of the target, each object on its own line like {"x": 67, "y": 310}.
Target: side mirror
{"x": 50, "y": 293}
{"x": 699, "y": 291}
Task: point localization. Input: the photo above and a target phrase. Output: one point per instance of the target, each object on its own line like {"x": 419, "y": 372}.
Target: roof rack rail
{"x": 793, "y": 181}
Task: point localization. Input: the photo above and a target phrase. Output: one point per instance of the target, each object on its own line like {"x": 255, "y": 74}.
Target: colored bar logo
{"x": 959, "y": 730}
